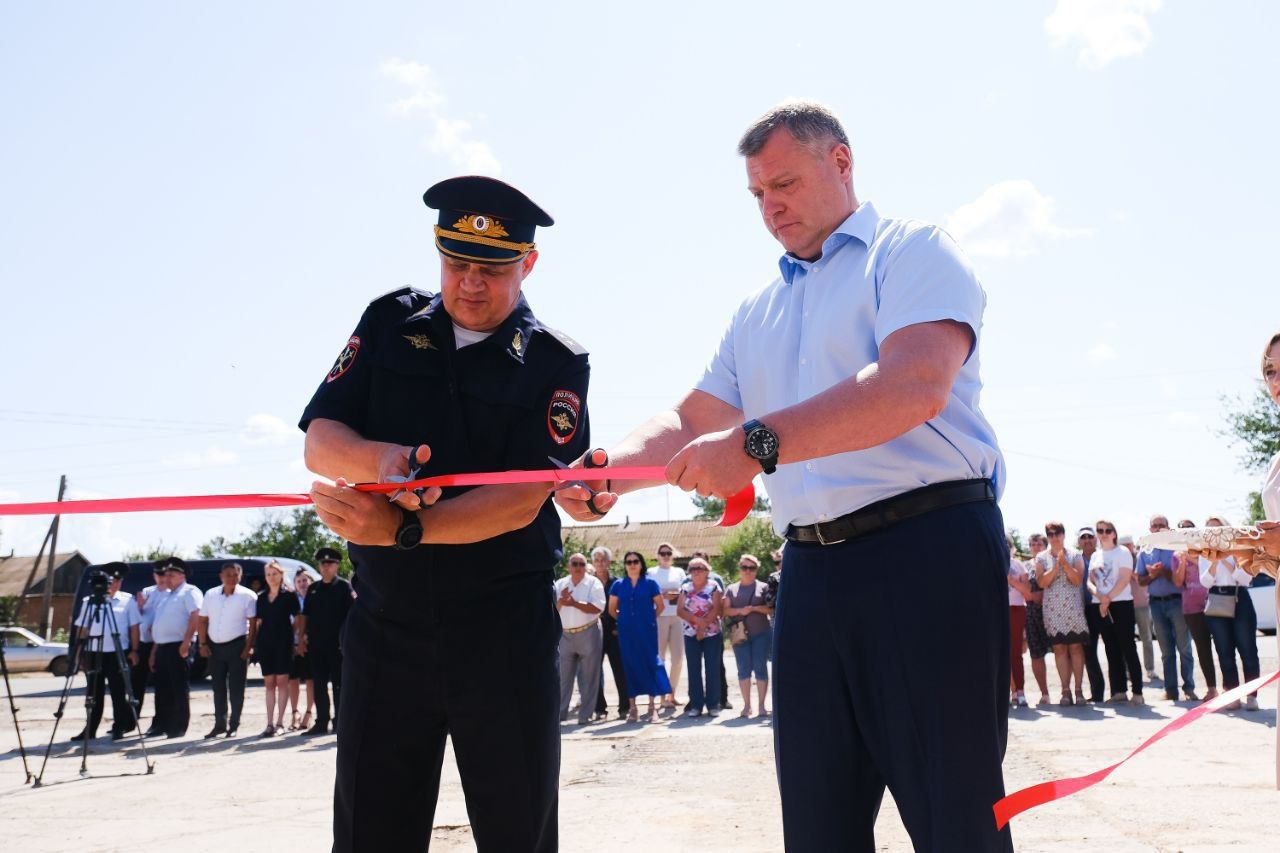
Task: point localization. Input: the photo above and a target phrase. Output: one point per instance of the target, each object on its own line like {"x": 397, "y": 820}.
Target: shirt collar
{"x": 512, "y": 336}
{"x": 861, "y": 225}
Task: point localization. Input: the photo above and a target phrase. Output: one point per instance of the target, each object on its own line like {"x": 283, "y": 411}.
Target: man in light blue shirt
{"x": 857, "y": 375}
{"x": 177, "y": 616}
{"x": 143, "y": 607}
{"x": 1156, "y": 571}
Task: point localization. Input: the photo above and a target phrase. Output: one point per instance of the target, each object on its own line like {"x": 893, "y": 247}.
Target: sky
{"x": 200, "y": 200}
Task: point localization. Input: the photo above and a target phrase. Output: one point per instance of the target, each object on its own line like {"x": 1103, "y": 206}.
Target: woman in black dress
{"x": 277, "y": 605}
{"x": 299, "y": 673}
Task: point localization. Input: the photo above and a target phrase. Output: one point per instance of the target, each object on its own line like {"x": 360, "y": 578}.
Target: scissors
{"x": 589, "y": 462}
{"x": 415, "y": 471}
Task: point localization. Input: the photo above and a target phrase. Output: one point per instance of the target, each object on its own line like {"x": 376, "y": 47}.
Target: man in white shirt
{"x": 579, "y": 601}
{"x": 101, "y": 632}
{"x": 670, "y": 626}
{"x": 177, "y": 616}
{"x": 142, "y": 608}
{"x": 227, "y": 632}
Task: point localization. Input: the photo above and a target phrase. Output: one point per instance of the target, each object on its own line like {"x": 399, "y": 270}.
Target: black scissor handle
{"x": 590, "y": 462}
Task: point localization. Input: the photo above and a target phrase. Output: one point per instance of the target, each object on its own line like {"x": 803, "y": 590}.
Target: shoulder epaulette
{"x": 395, "y": 295}
{"x": 565, "y": 341}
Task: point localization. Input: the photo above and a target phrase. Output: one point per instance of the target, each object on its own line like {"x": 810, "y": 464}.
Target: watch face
{"x": 762, "y": 443}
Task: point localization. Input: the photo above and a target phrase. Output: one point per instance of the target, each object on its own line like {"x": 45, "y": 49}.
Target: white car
{"x": 1263, "y": 593}
{"x": 25, "y": 652}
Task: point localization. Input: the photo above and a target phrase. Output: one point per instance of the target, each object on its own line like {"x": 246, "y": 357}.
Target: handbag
{"x": 1221, "y": 604}
{"x": 738, "y": 632}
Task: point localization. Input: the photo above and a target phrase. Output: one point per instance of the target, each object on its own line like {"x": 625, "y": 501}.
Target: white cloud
{"x": 263, "y": 428}
{"x": 209, "y": 458}
{"x": 1102, "y": 351}
{"x": 449, "y": 134}
{"x": 1104, "y": 29}
{"x": 1009, "y": 219}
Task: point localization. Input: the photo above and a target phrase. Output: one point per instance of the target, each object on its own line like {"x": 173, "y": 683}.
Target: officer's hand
{"x": 151, "y": 661}
{"x": 205, "y": 651}
{"x": 185, "y": 648}
{"x": 713, "y": 464}
{"x": 246, "y": 653}
{"x": 394, "y": 462}
{"x": 573, "y": 499}
{"x": 133, "y": 659}
{"x": 362, "y": 518}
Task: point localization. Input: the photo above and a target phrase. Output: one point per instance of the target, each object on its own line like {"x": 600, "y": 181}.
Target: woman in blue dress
{"x": 635, "y": 600}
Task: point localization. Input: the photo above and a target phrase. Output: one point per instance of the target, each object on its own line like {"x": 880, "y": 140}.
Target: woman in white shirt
{"x": 1110, "y": 571}
{"x": 1235, "y": 634}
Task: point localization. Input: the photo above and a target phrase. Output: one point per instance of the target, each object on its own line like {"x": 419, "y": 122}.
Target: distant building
{"x": 644, "y": 536}
{"x": 67, "y": 569}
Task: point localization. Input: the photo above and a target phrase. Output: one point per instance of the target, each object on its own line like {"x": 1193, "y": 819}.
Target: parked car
{"x": 25, "y": 652}
{"x": 202, "y": 574}
{"x": 1263, "y": 593}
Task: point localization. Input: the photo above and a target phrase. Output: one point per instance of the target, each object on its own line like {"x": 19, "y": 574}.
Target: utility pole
{"x": 46, "y": 614}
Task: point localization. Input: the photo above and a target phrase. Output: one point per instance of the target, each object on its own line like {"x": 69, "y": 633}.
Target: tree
{"x": 711, "y": 508}
{"x": 754, "y": 536}
{"x": 152, "y": 553}
{"x": 1019, "y": 547}
{"x": 574, "y": 544}
{"x": 296, "y": 534}
{"x": 1255, "y": 424}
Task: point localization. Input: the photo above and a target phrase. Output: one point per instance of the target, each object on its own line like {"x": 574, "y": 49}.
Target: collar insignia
{"x": 482, "y": 226}
{"x": 420, "y": 341}
{"x": 517, "y": 344}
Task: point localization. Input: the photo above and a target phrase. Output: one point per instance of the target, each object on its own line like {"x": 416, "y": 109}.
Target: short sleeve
{"x": 195, "y": 601}
{"x": 83, "y": 618}
{"x": 927, "y": 278}
{"x": 132, "y": 615}
{"x": 1124, "y": 560}
{"x": 204, "y": 606}
{"x": 558, "y": 425}
{"x": 720, "y": 378}
{"x": 343, "y": 394}
{"x": 260, "y": 610}
{"x": 597, "y": 595}
{"x": 1140, "y": 567}
{"x": 292, "y": 606}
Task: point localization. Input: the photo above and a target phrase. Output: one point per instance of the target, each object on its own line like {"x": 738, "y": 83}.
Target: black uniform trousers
{"x": 102, "y": 668}
{"x": 228, "y": 670}
{"x": 483, "y": 671}
{"x": 1097, "y": 682}
{"x": 173, "y": 696}
{"x": 613, "y": 652}
{"x": 884, "y": 679}
{"x": 139, "y": 676}
{"x": 325, "y": 660}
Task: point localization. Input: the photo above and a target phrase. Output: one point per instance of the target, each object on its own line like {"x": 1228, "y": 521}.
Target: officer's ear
{"x": 526, "y": 264}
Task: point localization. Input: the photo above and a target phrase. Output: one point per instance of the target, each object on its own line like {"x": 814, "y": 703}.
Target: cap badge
{"x": 420, "y": 341}
{"x": 482, "y": 226}
{"x": 517, "y": 344}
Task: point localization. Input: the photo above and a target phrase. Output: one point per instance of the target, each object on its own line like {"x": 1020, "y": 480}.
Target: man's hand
{"x": 133, "y": 658}
{"x": 362, "y": 518}
{"x": 246, "y": 652}
{"x": 573, "y": 499}
{"x": 1155, "y": 569}
{"x": 205, "y": 651}
{"x": 395, "y": 462}
{"x": 151, "y": 661}
{"x": 713, "y": 464}
{"x": 185, "y": 648}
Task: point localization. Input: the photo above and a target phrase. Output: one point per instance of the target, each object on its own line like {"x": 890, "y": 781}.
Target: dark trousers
{"x": 1237, "y": 635}
{"x": 1118, "y": 628}
{"x": 139, "y": 676}
{"x": 173, "y": 698}
{"x": 490, "y": 685}
{"x": 227, "y": 669}
{"x": 102, "y": 668}
{"x": 877, "y": 685}
{"x": 1198, "y": 625}
{"x": 613, "y": 652}
{"x": 325, "y": 660}
{"x": 1097, "y": 681}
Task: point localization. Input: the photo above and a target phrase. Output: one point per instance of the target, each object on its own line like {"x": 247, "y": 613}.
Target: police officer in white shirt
{"x": 227, "y": 630}
{"x": 143, "y": 612}
{"x": 99, "y": 635}
{"x": 177, "y": 617}
{"x": 579, "y": 600}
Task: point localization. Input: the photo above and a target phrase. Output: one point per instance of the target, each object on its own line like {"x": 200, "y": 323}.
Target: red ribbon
{"x": 736, "y": 508}
{"x": 1046, "y": 792}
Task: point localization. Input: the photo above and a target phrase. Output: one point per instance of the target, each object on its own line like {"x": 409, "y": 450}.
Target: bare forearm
{"x": 334, "y": 450}
{"x": 658, "y": 439}
{"x": 203, "y": 626}
{"x": 482, "y": 513}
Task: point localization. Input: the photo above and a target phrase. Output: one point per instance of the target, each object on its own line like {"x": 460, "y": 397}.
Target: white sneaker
{"x": 1251, "y": 703}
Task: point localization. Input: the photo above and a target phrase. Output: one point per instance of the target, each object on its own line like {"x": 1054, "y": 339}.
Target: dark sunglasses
{"x": 742, "y": 566}
{"x": 1055, "y": 533}
{"x": 1106, "y": 530}
{"x": 664, "y": 553}
{"x": 633, "y": 562}
{"x": 577, "y": 563}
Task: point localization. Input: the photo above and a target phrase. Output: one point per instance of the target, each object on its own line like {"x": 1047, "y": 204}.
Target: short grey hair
{"x": 596, "y": 552}
{"x": 809, "y": 123}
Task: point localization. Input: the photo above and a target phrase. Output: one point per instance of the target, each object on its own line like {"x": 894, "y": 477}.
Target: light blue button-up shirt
{"x": 173, "y": 614}
{"x": 823, "y": 321}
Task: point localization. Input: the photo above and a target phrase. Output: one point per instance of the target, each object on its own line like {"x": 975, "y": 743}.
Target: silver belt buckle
{"x": 817, "y": 530}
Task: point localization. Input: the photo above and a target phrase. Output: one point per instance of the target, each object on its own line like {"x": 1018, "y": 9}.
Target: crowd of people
{"x": 1064, "y": 599}
{"x": 290, "y": 628}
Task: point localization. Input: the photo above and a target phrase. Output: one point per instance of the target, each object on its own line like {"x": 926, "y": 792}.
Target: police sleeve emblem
{"x": 562, "y": 416}
{"x": 346, "y": 358}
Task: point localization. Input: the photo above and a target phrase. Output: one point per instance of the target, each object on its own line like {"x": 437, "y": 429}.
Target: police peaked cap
{"x": 117, "y": 570}
{"x": 484, "y": 220}
{"x": 327, "y": 555}
{"x": 171, "y": 564}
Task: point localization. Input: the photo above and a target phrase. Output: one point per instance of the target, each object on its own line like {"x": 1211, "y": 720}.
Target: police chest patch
{"x": 346, "y": 358}
{"x": 562, "y": 416}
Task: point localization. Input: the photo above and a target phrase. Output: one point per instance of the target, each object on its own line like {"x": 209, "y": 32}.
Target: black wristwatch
{"x": 761, "y": 445}
{"x": 409, "y": 534}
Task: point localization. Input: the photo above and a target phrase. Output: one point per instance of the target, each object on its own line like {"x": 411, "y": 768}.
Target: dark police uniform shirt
{"x": 326, "y": 608}
{"x": 505, "y": 403}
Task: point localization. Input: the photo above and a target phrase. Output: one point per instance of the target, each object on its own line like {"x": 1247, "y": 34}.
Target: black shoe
{"x": 172, "y": 735}
{"x": 79, "y": 736}
{"x": 119, "y": 735}
{"x": 231, "y": 732}
{"x": 218, "y": 729}
{"x": 153, "y": 732}
{"x": 321, "y": 727}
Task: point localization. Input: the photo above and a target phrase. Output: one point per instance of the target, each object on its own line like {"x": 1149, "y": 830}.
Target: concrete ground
{"x": 674, "y": 785}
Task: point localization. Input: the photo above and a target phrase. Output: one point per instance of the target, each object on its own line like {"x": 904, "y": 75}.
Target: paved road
{"x": 674, "y": 785}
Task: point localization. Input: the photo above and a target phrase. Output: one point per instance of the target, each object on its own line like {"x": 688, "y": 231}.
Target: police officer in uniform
{"x": 319, "y": 628}
{"x": 466, "y": 380}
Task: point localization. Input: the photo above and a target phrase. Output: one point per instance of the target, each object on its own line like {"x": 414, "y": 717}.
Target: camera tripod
{"x": 100, "y": 618}
{"x": 13, "y": 711}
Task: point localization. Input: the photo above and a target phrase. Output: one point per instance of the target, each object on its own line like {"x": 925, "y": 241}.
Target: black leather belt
{"x": 882, "y": 514}
{"x": 1166, "y": 597}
